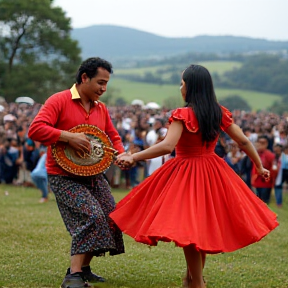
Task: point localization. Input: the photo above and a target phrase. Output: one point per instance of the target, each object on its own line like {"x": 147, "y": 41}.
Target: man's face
{"x": 157, "y": 125}
{"x": 277, "y": 150}
{"x": 93, "y": 88}
{"x": 262, "y": 144}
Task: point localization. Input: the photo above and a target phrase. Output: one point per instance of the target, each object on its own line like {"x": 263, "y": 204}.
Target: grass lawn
{"x": 158, "y": 93}
{"x": 34, "y": 252}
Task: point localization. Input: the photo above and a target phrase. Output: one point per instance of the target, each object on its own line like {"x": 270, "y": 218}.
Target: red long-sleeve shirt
{"x": 267, "y": 157}
{"x": 63, "y": 111}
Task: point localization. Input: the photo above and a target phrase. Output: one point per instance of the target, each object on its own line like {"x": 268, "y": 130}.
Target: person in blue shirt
{"x": 39, "y": 175}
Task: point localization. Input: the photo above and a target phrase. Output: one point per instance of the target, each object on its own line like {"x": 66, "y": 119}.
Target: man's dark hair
{"x": 263, "y": 137}
{"x": 278, "y": 145}
{"x": 90, "y": 67}
{"x": 245, "y": 129}
{"x": 161, "y": 120}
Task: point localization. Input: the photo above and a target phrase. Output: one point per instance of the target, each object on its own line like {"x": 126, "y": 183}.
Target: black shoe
{"x": 75, "y": 280}
{"x": 91, "y": 277}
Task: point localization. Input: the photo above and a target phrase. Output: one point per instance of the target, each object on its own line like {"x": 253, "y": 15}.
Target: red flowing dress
{"x": 195, "y": 198}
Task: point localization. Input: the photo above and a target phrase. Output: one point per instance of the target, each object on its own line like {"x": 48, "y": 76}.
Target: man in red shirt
{"x": 263, "y": 187}
{"x": 84, "y": 202}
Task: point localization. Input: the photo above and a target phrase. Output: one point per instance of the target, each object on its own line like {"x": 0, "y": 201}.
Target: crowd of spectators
{"x": 141, "y": 128}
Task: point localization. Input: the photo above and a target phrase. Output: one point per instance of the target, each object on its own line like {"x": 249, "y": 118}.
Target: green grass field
{"x": 34, "y": 252}
{"x": 158, "y": 93}
{"x": 213, "y": 66}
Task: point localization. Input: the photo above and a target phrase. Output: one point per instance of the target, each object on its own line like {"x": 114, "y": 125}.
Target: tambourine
{"x": 96, "y": 161}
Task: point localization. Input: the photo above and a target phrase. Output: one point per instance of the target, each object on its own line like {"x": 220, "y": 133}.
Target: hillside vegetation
{"x": 166, "y": 71}
{"x": 115, "y": 43}
{"x": 130, "y": 90}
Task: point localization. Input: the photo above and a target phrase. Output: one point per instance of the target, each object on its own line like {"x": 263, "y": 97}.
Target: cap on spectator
{"x": 9, "y": 117}
{"x": 30, "y": 142}
{"x": 151, "y": 120}
{"x": 126, "y": 123}
{"x": 2, "y": 108}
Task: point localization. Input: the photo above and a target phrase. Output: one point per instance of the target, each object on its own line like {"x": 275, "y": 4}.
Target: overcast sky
{"x": 266, "y": 19}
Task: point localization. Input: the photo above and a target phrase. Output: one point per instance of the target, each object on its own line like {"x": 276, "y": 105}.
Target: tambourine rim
{"x": 79, "y": 170}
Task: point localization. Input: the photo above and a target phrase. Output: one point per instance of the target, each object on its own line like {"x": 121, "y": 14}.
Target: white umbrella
{"x": 152, "y": 105}
{"x": 137, "y": 102}
{"x": 25, "y": 99}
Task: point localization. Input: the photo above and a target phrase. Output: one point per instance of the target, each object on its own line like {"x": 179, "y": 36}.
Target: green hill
{"x": 115, "y": 42}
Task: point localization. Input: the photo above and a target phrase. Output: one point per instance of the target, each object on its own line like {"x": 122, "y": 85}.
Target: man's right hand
{"x": 78, "y": 141}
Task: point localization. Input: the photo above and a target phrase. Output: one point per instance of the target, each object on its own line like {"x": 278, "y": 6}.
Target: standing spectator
{"x": 39, "y": 175}
{"x": 263, "y": 188}
{"x": 221, "y": 148}
{"x": 284, "y": 164}
{"x": 156, "y": 135}
{"x": 84, "y": 202}
{"x": 246, "y": 169}
{"x": 9, "y": 156}
{"x": 234, "y": 157}
{"x": 278, "y": 185}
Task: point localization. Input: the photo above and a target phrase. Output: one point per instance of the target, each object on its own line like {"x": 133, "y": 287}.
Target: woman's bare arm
{"x": 162, "y": 148}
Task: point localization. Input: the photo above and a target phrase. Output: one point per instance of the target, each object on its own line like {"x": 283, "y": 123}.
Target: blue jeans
{"x": 264, "y": 194}
{"x": 41, "y": 183}
{"x": 278, "y": 194}
{"x": 134, "y": 176}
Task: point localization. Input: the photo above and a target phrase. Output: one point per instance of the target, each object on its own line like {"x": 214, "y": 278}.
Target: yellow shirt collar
{"x": 74, "y": 92}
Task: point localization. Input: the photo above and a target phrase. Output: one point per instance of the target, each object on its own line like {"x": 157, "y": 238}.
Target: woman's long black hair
{"x": 200, "y": 95}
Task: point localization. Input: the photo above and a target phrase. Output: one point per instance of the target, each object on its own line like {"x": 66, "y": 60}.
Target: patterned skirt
{"x": 85, "y": 204}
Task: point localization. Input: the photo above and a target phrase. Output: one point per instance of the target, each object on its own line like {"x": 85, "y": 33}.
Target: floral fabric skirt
{"x": 85, "y": 204}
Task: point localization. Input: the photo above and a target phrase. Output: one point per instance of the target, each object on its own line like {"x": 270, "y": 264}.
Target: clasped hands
{"x": 125, "y": 160}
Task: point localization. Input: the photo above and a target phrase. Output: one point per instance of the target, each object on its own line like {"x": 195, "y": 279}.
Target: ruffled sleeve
{"x": 227, "y": 119}
{"x": 187, "y": 116}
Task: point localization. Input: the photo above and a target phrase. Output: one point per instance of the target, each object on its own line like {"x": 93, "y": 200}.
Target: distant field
{"x": 165, "y": 71}
{"x": 213, "y": 66}
{"x": 157, "y": 93}
{"x": 220, "y": 66}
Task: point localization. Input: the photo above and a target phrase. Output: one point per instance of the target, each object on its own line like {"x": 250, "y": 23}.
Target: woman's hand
{"x": 264, "y": 173}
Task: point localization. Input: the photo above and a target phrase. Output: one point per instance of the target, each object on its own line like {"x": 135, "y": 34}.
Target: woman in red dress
{"x": 195, "y": 199}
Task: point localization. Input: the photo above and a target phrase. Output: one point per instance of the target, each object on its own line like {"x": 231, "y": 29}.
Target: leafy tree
{"x": 39, "y": 55}
{"x": 110, "y": 96}
{"x": 263, "y": 72}
{"x": 120, "y": 101}
{"x": 280, "y": 107}
{"x": 235, "y": 102}
{"x": 175, "y": 78}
